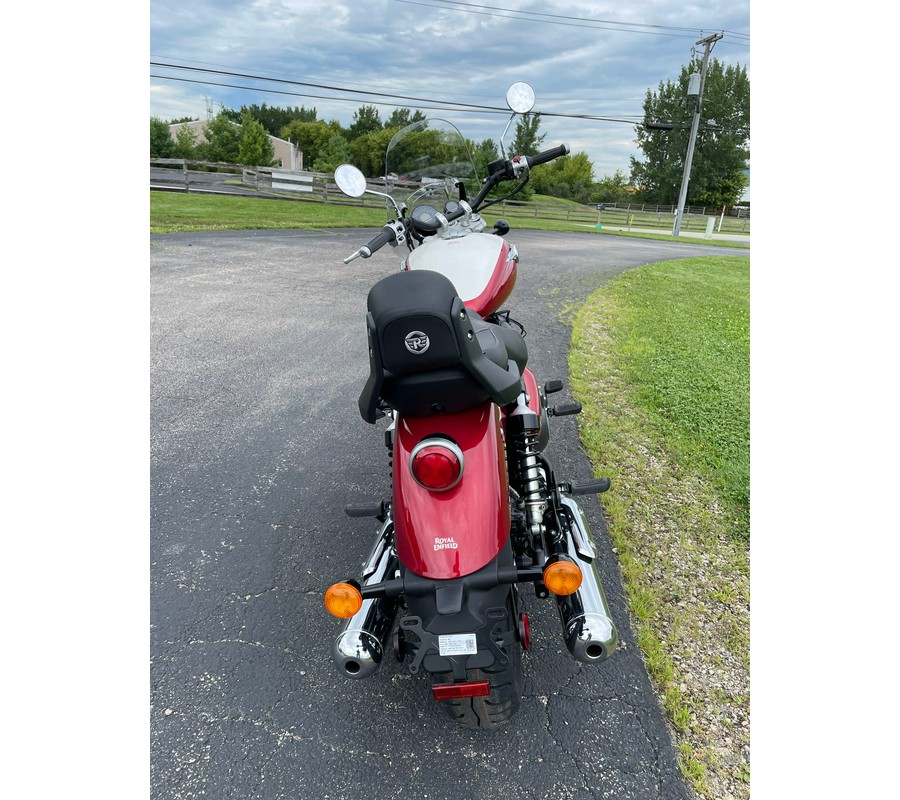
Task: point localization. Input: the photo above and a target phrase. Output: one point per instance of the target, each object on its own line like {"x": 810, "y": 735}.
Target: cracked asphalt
{"x": 257, "y": 359}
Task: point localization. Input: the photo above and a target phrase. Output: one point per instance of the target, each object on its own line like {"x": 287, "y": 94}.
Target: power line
{"x": 576, "y": 22}
{"x": 339, "y": 85}
{"x": 446, "y": 105}
{"x": 319, "y": 86}
{"x": 475, "y": 110}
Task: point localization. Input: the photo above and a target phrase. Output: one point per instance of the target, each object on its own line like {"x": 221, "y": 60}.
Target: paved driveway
{"x": 258, "y": 356}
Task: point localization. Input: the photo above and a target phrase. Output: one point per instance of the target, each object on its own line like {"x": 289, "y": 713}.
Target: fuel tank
{"x": 482, "y": 267}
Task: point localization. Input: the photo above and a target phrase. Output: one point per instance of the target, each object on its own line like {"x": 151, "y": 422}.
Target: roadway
{"x": 257, "y": 358}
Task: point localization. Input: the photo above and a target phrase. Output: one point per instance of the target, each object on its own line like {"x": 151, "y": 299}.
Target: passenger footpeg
{"x": 592, "y": 486}
{"x": 553, "y": 386}
{"x": 564, "y": 409}
{"x": 378, "y": 509}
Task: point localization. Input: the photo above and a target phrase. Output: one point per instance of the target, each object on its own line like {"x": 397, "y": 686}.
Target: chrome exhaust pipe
{"x": 588, "y": 629}
{"x": 361, "y": 641}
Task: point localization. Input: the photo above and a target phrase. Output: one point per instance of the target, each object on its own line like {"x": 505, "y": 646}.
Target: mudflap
{"x": 460, "y": 624}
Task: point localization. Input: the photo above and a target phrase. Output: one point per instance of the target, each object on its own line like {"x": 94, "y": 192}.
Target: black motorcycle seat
{"x": 429, "y": 354}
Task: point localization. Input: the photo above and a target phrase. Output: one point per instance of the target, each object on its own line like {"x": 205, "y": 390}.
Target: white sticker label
{"x": 460, "y": 644}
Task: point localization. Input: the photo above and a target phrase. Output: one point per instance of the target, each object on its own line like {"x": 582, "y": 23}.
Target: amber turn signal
{"x": 343, "y": 600}
{"x": 562, "y": 577}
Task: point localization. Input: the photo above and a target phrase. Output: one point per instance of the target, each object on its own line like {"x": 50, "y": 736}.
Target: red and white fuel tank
{"x": 482, "y": 267}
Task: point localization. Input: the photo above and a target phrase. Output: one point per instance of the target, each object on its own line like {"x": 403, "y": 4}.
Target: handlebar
{"x": 392, "y": 232}
{"x": 395, "y": 232}
{"x": 384, "y": 236}
{"x": 502, "y": 170}
{"x": 547, "y": 155}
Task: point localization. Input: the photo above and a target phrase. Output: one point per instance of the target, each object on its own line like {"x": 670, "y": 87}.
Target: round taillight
{"x": 436, "y": 464}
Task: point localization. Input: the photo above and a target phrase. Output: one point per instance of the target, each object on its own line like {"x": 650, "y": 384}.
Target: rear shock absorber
{"x": 523, "y": 427}
{"x": 389, "y": 442}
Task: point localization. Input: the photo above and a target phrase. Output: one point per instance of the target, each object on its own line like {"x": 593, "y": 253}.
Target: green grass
{"x": 660, "y": 361}
{"x": 174, "y": 212}
{"x": 684, "y": 343}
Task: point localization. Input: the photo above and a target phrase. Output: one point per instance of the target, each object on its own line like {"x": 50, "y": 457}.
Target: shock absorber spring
{"x": 524, "y": 428}
{"x": 534, "y": 482}
{"x": 389, "y": 443}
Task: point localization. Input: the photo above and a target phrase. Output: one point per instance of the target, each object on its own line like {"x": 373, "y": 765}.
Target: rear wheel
{"x": 505, "y": 682}
{"x": 503, "y": 701}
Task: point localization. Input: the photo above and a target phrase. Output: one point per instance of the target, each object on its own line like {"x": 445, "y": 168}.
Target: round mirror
{"x": 520, "y": 97}
{"x": 350, "y": 180}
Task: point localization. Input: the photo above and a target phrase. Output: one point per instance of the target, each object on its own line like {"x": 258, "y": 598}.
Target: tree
{"x": 611, "y": 189}
{"x": 254, "y": 149}
{"x": 273, "y": 118}
{"x": 401, "y": 117}
{"x": 223, "y": 139}
{"x": 722, "y": 150}
{"x": 161, "y": 144}
{"x": 368, "y": 151}
{"x": 727, "y": 191}
{"x": 186, "y": 143}
{"x": 335, "y": 152}
{"x": 569, "y": 177}
{"x": 310, "y": 137}
{"x": 483, "y": 154}
{"x": 366, "y": 119}
{"x": 527, "y": 142}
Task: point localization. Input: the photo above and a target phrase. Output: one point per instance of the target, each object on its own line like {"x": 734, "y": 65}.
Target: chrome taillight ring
{"x": 441, "y": 442}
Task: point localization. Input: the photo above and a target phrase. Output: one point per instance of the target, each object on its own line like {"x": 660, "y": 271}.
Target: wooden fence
{"x": 169, "y": 174}
{"x": 612, "y": 216}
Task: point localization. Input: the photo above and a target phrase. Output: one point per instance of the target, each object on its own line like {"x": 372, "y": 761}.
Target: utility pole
{"x": 708, "y": 43}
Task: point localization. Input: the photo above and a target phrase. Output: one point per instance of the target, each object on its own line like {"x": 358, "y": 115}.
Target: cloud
{"x": 438, "y": 50}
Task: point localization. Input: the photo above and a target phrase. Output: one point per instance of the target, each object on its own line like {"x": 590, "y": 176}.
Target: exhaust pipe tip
{"x": 591, "y": 638}
{"x": 357, "y": 654}
{"x": 588, "y": 629}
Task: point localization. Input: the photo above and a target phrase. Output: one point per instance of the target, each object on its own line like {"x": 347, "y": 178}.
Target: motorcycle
{"x": 475, "y": 507}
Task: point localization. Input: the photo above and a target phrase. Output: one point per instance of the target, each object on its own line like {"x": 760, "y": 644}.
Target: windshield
{"x": 425, "y": 161}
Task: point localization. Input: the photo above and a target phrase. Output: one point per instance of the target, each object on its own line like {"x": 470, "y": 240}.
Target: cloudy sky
{"x": 595, "y": 58}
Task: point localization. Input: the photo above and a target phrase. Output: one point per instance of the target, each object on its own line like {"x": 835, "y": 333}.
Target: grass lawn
{"x": 174, "y": 212}
{"x": 660, "y": 360}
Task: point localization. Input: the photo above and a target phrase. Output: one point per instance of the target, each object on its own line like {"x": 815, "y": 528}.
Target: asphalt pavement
{"x": 258, "y": 356}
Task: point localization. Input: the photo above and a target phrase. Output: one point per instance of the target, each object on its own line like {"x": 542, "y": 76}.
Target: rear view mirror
{"x": 520, "y": 98}
{"x": 350, "y": 180}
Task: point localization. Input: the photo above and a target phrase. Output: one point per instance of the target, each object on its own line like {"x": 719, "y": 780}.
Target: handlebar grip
{"x": 547, "y": 155}
{"x": 386, "y": 234}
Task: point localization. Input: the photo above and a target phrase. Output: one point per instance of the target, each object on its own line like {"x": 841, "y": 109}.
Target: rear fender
{"x": 461, "y": 624}
{"x": 449, "y": 534}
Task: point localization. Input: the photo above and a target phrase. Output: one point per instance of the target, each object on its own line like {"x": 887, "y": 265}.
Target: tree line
{"x": 718, "y": 175}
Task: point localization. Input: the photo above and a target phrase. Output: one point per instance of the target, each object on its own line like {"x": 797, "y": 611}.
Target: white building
{"x": 287, "y": 155}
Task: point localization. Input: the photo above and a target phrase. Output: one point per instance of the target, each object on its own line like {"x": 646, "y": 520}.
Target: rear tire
{"x": 497, "y": 709}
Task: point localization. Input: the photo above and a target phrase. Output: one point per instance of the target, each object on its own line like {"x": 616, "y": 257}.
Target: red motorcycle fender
{"x": 449, "y": 534}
